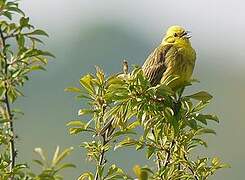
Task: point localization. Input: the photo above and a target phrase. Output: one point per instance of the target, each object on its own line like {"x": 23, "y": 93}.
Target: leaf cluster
{"x": 51, "y": 170}
{"x": 172, "y": 124}
{"x": 20, "y": 54}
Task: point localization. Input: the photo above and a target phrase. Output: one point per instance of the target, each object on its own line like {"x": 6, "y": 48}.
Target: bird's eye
{"x": 175, "y": 35}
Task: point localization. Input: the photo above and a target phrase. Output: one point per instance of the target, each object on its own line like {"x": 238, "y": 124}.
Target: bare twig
{"x": 125, "y": 66}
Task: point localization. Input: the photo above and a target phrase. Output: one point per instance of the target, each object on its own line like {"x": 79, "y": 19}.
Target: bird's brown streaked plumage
{"x": 155, "y": 65}
{"x": 174, "y": 56}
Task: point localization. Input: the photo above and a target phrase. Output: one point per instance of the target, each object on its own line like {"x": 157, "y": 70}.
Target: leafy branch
{"x": 19, "y": 56}
{"x": 173, "y": 124}
{"x": 51, "y": 169}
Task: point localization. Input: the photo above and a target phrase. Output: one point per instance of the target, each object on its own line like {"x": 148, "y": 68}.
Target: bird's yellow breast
{"x": 181, "y": 64}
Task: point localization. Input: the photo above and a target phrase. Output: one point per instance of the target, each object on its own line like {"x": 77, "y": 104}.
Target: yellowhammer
{"x": 174, "y": 56}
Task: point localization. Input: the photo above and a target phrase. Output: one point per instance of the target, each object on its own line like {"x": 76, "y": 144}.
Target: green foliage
{"x": 51, "y": 169}
{"x": 122, "y": 110}
{"x": 173, "y": 125}
{"x": 19, "y": 56}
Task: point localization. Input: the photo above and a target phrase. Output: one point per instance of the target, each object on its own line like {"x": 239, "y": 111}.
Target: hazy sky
{"x": 216, "y": 25}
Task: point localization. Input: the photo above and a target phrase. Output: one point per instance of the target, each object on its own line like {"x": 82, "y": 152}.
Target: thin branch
{"x": 125, "y": 66}
{"x": 8, "y": 109}
{"x": 101, "y": 160}
{"x": 13, "y": 34}
{"x": 168, "y": 156}
{"x": 192, "y": 171}
{"x": 104, "y": 138}
{"x": 159, "y": 164}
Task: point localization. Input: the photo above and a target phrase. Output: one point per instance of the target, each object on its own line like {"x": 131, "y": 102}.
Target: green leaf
{"x": 126, "y": 142}
{"x": 101, "y": 170}
{"x": 56, "y": 154}
{"x": 2, "y": 121}
{"x": 114, "y": 80}
{"x": 201, "y": 96}
{"x": 203, "y": 118}
{"x": 133, "y": 125}
{"x": 39, "y": 162}
{"x": 215, "y": 161}
{"x": 73, "y": 90}
{"x": 82, "y": 112}
{"x": 41, "y": 154}
{"x": 113, "y": 169}
{"x": 38, "y": 32}
{"x": 168, "y": 113}
{"x": 76, "y": 123}
{"x": 34, "y": 39}
{"x": 37, "y": 67}
{"x": 24, "y": 21}
{"x": 200, "y": 141}
{"x": 84, "y": 96}
{"x": 65, "y": 166}
{"x": 150, "y": 151}
{"x": 46, "y": 53}
{"x": 20, "y": 40}
{"x": 115, "y": 173}
{"x": 205, "y": 131}
{"x": 79, "y": 126}
{"x": 200, "y": 106}
{"x": 141, "y": 173}
{"x": 100, "y": 75}
{"x": 16, "y": 73}
{"x": 192, "y": 123}
{"x": 86, "y": 82}
{"x": 224, "y": 165}
{"x": 164, "y": 90}
{"x": 16, "y": 9}
{"x": 61, "y": 156}
{"x": 76, "y": 130}
{"x": 8, "y": 15}
{"x": 86, "y": 176}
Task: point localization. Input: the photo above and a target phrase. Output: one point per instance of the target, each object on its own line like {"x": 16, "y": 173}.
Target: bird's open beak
{"x": 187, "y": 34}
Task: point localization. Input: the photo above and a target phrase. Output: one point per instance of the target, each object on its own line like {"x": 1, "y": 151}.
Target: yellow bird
{"x": 174, "y": 56}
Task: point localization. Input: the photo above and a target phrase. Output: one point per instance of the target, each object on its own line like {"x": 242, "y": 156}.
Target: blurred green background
{"x": 84, "y": 33}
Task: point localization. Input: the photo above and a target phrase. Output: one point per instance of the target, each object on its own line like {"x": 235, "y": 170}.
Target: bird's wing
{"x": 155, "y": 64}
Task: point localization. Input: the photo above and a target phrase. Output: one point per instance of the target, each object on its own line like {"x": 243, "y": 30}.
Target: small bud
{"x": 125, "y": 66}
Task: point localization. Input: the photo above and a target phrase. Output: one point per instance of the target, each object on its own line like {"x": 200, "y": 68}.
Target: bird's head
{"x": 176, "y": 33}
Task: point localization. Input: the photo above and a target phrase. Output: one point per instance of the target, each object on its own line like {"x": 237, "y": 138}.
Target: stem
{"x": 192, "y": 171}
{"x": 159, "y": 165}
{"x": 12, "y": 150}
{"x": 101, "y": 160}
{"x": 11, "y": 127}
{"x": 167, "y": 159}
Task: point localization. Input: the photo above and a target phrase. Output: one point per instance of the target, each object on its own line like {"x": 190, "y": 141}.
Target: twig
{"x": 167, "y": 159}
{"x": 159, "y": 164}
{"x": 8, "y": 110}
{"x": 101, "y": 160}
{"x": 125, "y": 66}
{"x": 194, "y": 174}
